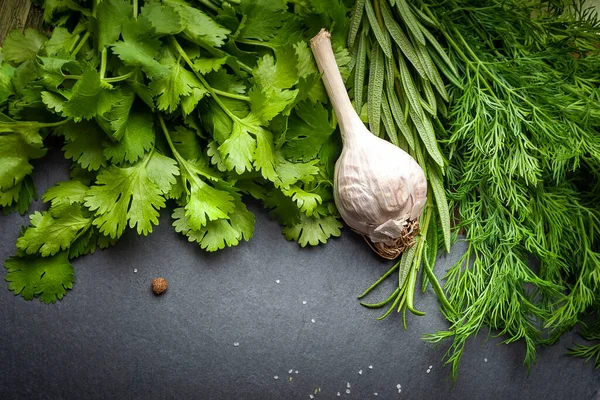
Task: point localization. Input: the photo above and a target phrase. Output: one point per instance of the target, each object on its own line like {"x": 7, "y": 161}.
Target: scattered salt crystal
{"x": 276, "y": 377}
{"x": 311, "y": 396}
{"x": 399, "y": 390}
{"x": 304, "y": 302}
{"x": 312, "y": 320}
{"x": 428, "y": 371}
{"x": 290, "y": 371}
{"x": 431, "y": 366}
{"x": 277, "y": 281}
{"x": 135, "y": 270}
{"x": 398, "y": 386}
{"x": 370, "y": 367}
{"x": 236, "y": 344}
{"x": 296, "y": 371}
{"x": 360, "y": 372}
{"x": 485, "y": 360}
{"x": 375, "y": 394}
{"x": 339, "y": 394}
{"x": 348, "y": 391}
{"x": 348, "y": 385}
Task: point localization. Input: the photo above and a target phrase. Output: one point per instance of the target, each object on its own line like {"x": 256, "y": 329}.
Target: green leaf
{"x": 20, "y": 142}
{"x": 62, "y": 40}
{"x": 313, "y": 230}
{"x": 281, "y": 74}
{"x": 375, "y": 89}
{"x": 220, "y": 233}
{"x": 198, "y": 26}
{"x": 20, "y": 47}
{"x": 7, "y": 72}
{"x": 114, "y": 122}
{"x": 439, "y": 192}
{"x": 262, "y": 19}
{"x": 48, "y": 278}
{"x": 50, "y": 232}
{"x": 355, "y": 20}
{"x": 382, "y": 36}
{"x": 137, "y": 140}
{"x": 170, "y": 88}
{"x": 206, "y": 65}
{"x": 67, "y": 192}
{"x": 139, "y": 49}
{"x": 162, "y": 171}
{"x": 410, "y": 21}
{"x": 84, "y": 143}
{"x": 308, "y": 130}
{"x": 125, "y": 196}
{"x": 289, "y": 173}
{"x": 206, "y": 203}
{"x": 266, "y": 105}
{"x": 163, "y": 18}
{"x": 237, "y": 151}
{"x": 307, "y": 202}
{"x": 89, "y": 98}
{"x": 111, "y": 15}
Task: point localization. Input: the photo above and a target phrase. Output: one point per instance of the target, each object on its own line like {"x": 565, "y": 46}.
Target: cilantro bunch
{"x": 196, "y": 104}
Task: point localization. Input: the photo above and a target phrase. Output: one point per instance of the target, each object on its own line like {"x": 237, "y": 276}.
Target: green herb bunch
{"x": 524, "y": 161}
{"x": 158, "y": 101}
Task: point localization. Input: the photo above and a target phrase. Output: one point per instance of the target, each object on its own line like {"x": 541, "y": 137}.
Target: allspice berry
{"x": 159, "y": 285}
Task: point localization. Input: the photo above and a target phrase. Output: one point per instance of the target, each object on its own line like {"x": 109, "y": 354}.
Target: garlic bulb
{"x": 379, "y": 189}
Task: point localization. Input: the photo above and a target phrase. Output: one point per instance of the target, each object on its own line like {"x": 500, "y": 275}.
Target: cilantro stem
{"x": 120, "y": 78}
{"x": 231, "y": 95}
{"x": 212, "y": 6}
{"x": 77, "y": 77}
{"x": 103, "y": 56}
{"x": 184, "y": 55}
{"x": 255, "y": 43}
{"x": 80, "y": 44}
{"x": 135, "y": 9}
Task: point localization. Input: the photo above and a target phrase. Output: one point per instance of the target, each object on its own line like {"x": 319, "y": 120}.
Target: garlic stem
{"x": 332, "y": 79}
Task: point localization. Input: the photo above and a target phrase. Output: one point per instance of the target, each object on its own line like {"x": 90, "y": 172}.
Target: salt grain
{"x": 399, "y": 390}
{"x": 236, "y": 344}
{"x": 312, "y": 320}
{"x": 348, "y": 391}
{"x": 375, "y": 394}
{"x": 276, "y": 377}
{"x": 348, "y": 385}
{"x": 311, "y": 396}
{"x": 485, "y": 360}
{"x": 398, "y": 386}
{"x": 304, "y": 302}
{"x": 135, "y": 270}
{"x": 360, "y": 372}
{"x": 277, "y": 281}
{"x": 370, "y": 367}
{"x": 428, "y": 371}
{"x": 290, "y": 371}
{"x": 339, "y": 394}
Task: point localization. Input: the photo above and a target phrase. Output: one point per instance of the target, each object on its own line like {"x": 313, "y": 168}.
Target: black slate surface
{"x": 110, "y": 337}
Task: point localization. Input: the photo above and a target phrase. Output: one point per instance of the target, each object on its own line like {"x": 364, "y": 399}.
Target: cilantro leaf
{"x": 48, "y": 278}
{"x": 186, "y": 143}
{"x": 307, "y": 202}
{"x": 206, "y": 65}
{"x": 19, "y": 143}
{"x": 162, "y": 171}
{"x": 262, "y": 18}
{"x": 62, "y": 40}
{"x": 114, "y": 122}
{"x": 198, "y": 26}
{"x": 313, "y": 230}
{"x": 163, "y": 18}
{"x": 7, "y": 72}
{"x": 273, "y": 74}
{"x": 68, "y": 192}
{"x": 266, "y": 105}
{"x": 89, "y": 97}
{"x": 20, "y": 47}
{"x": 308, "y": 129}
{"x": 84, "y": 144}
{"x": 170, "y": 88}
{"x": 111, "y": 15}
{"x": 139, "y": 49}
{"x": 51, "y": 232}
{"x": 125, "y": 196}
{"x": 136, "y": 141}
{"x": 218, "y": 233}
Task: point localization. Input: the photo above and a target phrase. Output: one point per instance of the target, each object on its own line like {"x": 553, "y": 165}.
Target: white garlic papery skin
{"x": 379, "y": 189}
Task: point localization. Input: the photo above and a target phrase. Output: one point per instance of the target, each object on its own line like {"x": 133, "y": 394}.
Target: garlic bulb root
{"x": 379, "y": 189}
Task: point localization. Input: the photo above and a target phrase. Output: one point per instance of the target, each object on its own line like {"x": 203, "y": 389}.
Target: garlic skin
{"x": 379, "y": 189}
